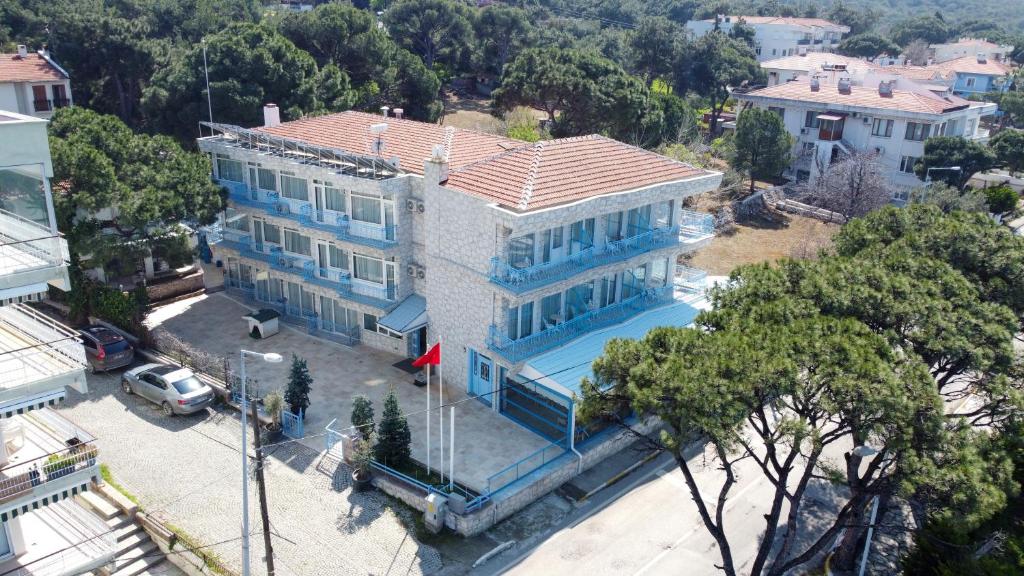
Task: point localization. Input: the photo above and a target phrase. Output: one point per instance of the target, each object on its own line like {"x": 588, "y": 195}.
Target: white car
{"x": 176, "y": 390}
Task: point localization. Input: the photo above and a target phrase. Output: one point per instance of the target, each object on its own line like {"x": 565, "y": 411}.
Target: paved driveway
{"x": 188, "y": 469}
{"x": 486, "y": 441}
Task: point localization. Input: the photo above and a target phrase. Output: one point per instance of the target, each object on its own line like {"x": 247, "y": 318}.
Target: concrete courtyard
{"x": 486, "y": 442}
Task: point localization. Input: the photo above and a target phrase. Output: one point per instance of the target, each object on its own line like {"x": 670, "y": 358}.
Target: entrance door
{"x": 5, "y": 542}
{"x": 417, "y": 342}
{"x": 482, "y": 376}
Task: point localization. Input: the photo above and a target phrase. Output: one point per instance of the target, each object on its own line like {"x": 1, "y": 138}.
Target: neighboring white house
{"x": 822, "y": 64}
{"x": 779, "y": 36}
{"x": 32, "y": 83}
{"x": 889, "y": 116}
{"x": 393, "y": 234}
{"x": 45, "y": 460}
{"x": 970, "y": 47}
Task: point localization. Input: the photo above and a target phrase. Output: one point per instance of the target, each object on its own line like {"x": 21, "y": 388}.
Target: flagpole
{"x": 428, "y": 418}
{"x": 440, "y": 404}
{"x": 451, "y": 451}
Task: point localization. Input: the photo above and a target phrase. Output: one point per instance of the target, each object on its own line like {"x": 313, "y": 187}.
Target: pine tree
{"x": 362, "y": 415}
{"x": 393, "y": 435}
{"x": 299, "y": 383}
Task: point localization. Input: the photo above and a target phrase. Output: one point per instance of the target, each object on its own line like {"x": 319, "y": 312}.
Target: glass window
{"x": 368, "y": 268}
{"x": 556, "y": 238}
{"x": 267, "y": 179}
{"x": 366, "y": 209}
{"x": 608, "y": 285}
{"x": 513, "y": 323}
{"x": 276, "y": 289}
{"x": 190, "y": 384}
{"x": 520, "y": 251}
{"x": 40, "y": 101}
{"x": 545, "y": 246}
{"x": 633, "y": 282}
{"x": 271, "y": 233}
{"x": 907, "y": 164}
{"x": 581, "y": 235}
{"x": 659, "y": 272}
{"x": 228, "y": 169}
{"x": 526, "y": 319}
{"x": 294, "y": 188}
{"x": 297, "y": 243}
{"x": 22, "y": 192}
{"x": 662, "y": 214}
{"x": 881, "y": 127}
{"x": 337, "y": 257}
{"x": 551, "y": 311}
{"x": 780, "y": 111}
{"x": 370, "y": 322}
{"x": 578, "y": 299}
{"x": 334, "y": 199}
{"x": 917, "y": 131}
{"x": 639, "y": 220}
{"x": 613, "y": 225}
{"x": 811, "y": 119}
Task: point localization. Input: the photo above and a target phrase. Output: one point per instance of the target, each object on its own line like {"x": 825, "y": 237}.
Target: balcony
{"x": 38, "y": 358}
{"x": 336, "y": 223}
{"x": 47, "y": 457}
{"x": 31, "y": 256}
{"x": 520, "y": 280}
{"x": 523, "y": 348}
{"x": 696, "y": 228}
{"x": 803, "y": 42}
{"x": 42, "y": 105}
{"x": 62, "y": 538}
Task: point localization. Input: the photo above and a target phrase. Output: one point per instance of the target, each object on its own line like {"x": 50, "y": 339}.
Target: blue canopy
{"x": 407, "y": 316}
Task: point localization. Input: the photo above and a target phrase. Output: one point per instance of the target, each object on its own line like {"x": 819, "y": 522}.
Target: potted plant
{"x": 362, "y": 463}
{"x": 273, "y": 403}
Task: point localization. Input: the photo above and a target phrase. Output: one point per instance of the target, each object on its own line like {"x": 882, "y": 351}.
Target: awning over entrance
{"x": 563, "y": 369}
{"x": 62, "y": 494}
{"x": 407, "y": 316}
{"x": 833, "y": 117}
{"x": 33, "y": 403}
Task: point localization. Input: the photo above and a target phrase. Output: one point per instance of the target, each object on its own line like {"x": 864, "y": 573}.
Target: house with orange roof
{"x": 970, "y": 47}
{"x": 779, "y": 36}
{"x": 32, "y": 83}
{"x": 888, "y": 116}
{"x": 966, "y": 75}
{"x": 374, "y": 230}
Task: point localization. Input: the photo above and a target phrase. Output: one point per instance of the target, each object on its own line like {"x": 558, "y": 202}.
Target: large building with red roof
{"x": 32, "y": 83}
{"x": 779, "y": 36}
{"x": 393, "y": 233}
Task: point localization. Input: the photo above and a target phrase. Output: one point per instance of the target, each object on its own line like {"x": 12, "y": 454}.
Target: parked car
{"x": 176, "y": 390}
{"x": 105, "y": 349}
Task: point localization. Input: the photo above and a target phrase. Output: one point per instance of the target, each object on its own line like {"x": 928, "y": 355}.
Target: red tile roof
{"x": 946, "y": 70}
{"x": 555, "y": 172}
{"x": 32, "y": 68}
{"x": 786, "y": 20}
{"x": 860, "y": 96}
{"x": 411, "y": 141}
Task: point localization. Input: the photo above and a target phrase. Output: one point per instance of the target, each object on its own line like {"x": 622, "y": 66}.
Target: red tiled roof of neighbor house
{"x": 553, "y": 172}
{"x": 812, "y": 61}
{"x": 861, "y": 96}
{"x": 411, "y": 141}
{"x": 810, "y": 22}
{"x": 949, "y": 68}
{"x": 31, "y": 68}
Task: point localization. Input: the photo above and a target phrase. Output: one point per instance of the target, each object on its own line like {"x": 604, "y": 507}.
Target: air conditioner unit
{"x": 410, "y": 205}
{"x": 421, "y": 272}
{"x": 421, "y": 207}
{"x": 410, "y": 270}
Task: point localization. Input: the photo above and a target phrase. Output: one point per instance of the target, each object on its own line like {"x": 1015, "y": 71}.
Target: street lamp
{"x": 272, "y": 358}
{"x": 865, "y": 451}
{"x": 928, "y": 177}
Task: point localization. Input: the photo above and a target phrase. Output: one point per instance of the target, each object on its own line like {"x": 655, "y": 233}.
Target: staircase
{"x": 136, "y": 553}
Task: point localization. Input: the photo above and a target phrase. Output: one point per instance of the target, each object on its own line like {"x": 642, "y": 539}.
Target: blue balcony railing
{"x": 521, "y": 280}
{"x": 523, "y": 348}
{"x": 695, "y": 226}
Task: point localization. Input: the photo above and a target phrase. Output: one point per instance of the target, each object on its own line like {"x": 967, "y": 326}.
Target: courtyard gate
{"x": 291, "y": 424}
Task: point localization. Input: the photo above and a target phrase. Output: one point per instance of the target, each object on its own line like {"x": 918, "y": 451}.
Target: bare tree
{"x": 851, "y": 186}
{"x": 917, "y": 53}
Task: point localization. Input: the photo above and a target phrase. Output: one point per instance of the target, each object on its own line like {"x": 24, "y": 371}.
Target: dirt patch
{"x": 473, "y": 113}
{"x": 748, "y": 243}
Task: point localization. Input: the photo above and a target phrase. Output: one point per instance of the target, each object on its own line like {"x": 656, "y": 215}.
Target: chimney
{"x": 815, "y": 84}
{"x": 982, "y": 58}
{"x": 271, "y": 115}
{"x": 435, "y": 169}
{"x": 398, "y": 113}
{"x": 22, "y": 51}
{"x": 844, "y": 85}
{"x": 885, "y": 88}
{"x": 384, "y": 111}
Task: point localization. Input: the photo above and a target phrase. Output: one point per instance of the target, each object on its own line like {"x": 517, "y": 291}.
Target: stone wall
{"x": 167, "y": 289}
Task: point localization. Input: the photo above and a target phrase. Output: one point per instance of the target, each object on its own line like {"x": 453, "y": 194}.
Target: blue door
{"x": 481, "y": 377}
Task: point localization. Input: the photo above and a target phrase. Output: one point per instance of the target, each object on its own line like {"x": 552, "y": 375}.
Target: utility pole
{"x": 263, "y": 491}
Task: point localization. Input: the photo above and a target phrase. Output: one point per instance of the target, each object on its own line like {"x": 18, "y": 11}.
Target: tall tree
{"x": 716, "y": 65}
{"x": 929, "y": 28}
{"x": 761, "y": 146}
{"x": 299, "y": 385}
{"x": 953, "y": 152}
{"x": 868, "y": 45}
{"x": 1008, "y": 146}
{"x": 655, "y": 44}
{"x": 860, "y": 19}
{"x": 393, "y": 436}
{"x": 433, "y": 29}
{"x": 501, "y": 33}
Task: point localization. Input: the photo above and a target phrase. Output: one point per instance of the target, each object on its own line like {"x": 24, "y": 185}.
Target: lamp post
{"x": 865, "y": 451}
{"x": 928, "y": 177}
{"x": 272, "y": 358}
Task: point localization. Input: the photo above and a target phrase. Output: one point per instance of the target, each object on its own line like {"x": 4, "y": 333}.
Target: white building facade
{"x": 395, "y": 234}
{"x": 45, "y": 460}
{"x": 972, "y": 47}
{"x": 890, "y": 118}
{"x": 32, "y": 83}
{"x": 779, "y": 36}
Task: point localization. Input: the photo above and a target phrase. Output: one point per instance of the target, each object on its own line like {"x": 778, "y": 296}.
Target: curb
{"x": 632, "y": 468}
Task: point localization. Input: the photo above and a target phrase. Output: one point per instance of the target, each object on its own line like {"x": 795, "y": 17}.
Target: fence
{"x": 531, "y": 463}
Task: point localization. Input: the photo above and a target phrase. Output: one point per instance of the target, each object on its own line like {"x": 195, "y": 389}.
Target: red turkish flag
{"x": 433, "y": 356}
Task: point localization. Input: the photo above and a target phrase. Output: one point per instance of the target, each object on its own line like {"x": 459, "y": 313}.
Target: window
{"x": 272, "y": 233}
{"x": 520, "y": 321}
{"x": 778, "y": 110}
{"x": 520, "y": 251}
{"x": 369, "y": 322}
{"x": 551, "y": 311}
{"x": 662, "y": 214}
{"x": 659, "y": 272}
{"x": 368, "y": 268}
{"x": 774, "y": 51}
{"x": 388, "y": 332}
{"x": 297, "y": 243}
{"x": 638, "y": 221}
{"x": 60, "y": 96}
{"x": 578, "y": 299}
{"x": 608, "y": 285}
{"x": 881, "y": 127}
{"x": 969, "y": 128}
{"x": 917, "y": 131}
{"x": 345, "y": 317}
{"x": 811, "y": 119}
{"x": 228, "y": 169}
{"x": 907, "y": 164}
{"x": 613, "y": 225}
{"x": 294, "y": 188}
{"x": 757, "y": 50}
{"x": 266, "y": 179}
{"x": 334, "y": 199}
{"x": 970, "y": 82}
{"x": 556, "y": 238}
{"x": 366, "y": 209}
{"x": 581, "y": 235}
{"x": 39, "y": 99}
{"x": 940, "y": 130}
{"x": 276, "y": 289}
{"x": 337, "y": 257}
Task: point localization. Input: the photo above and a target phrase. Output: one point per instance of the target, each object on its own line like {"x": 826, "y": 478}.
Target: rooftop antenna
{"x": 206, "y": 72}
{"x": 379, "y": 130}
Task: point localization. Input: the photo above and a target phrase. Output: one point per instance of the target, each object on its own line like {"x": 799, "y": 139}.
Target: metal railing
{"x": 20, "y": 237}
{"x": 525, "y": 466}
{"x": 520, "y": 280}
{"x": 42, "y": 105}
{"x": 517, "y": 350}
{"x": 97, "y": 543}
{"x": 21, "y": 478}
{"x": 688, "y": 279}
{"x": 696, "y": 225}
{"x": 51, "y": 348}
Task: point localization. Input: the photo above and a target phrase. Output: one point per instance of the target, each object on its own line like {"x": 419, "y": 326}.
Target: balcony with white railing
{"x": 696, "y": 228}
{"x": 31, "y": 255}
{"x": 38, "y": 356}
{"x": 44, "y": 455}
{"x": 61, "y": 539}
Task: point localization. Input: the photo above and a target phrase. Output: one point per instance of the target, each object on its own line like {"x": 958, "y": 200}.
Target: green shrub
{"x": 362, "y": 415}
{"x": 393, "y": 436}
{"x": 299, "y": 384}
{"x": 1001, "y": 199}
